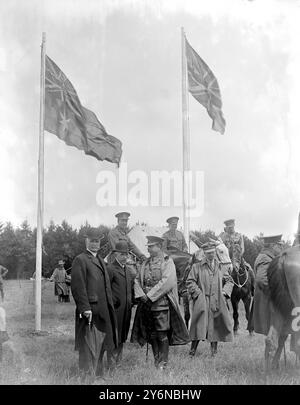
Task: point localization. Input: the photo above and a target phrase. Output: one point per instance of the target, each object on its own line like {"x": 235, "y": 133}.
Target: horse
{"x": 243, "y": 289}
{"x": 284, "y": 286}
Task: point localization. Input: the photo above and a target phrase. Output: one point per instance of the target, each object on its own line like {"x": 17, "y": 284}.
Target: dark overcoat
{"x": 91, "y": 290}
{"x": 122, "y": 281}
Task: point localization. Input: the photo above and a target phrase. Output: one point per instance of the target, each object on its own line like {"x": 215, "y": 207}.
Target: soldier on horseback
{"x": 174, "y": 238}
{"x": 120, "y": 234}
{"x": 232, "y": 239}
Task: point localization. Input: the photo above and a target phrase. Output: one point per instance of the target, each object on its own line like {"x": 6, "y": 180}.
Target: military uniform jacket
{"x": 166, "y": 287}
{"x": 117, "y": 235}
{"x": 210, "y": 315}
{"x": 174, "y": 239}
{"x": 232, "y": 240}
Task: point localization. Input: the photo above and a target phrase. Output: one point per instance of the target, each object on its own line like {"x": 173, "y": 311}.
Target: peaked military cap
{"x": 172, "y": 220}
{"x": 122, "y": 215}
{"x": 229, "y": 222}
{"x": 93, "y": 233}
{"x": 272, "y": 239}
{"x": 209, "y": 247}
{"x": 121, "y": 247}
{"x": 153, "y": 240}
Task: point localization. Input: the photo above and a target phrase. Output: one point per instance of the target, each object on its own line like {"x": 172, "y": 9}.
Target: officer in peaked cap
{"x": 232, "y": 239}
{"x": 119, "y": 234}
{"x": 174, "y": 238}
{"x": 262, "y": 305}
{"x": 158, "y": 319}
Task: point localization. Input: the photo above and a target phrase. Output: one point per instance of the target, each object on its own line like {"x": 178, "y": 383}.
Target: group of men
{"x": 105, "y": 293}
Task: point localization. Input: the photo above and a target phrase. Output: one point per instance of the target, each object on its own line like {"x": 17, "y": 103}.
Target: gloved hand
{"x": 144, "y": 298}
{"x": 88, "y": 315}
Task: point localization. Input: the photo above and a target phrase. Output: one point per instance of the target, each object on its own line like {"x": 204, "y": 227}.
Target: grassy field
{"x": 51, "y": 359}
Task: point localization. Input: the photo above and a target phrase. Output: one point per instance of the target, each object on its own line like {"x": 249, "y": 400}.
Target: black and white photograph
{"x": 150, "y": 195}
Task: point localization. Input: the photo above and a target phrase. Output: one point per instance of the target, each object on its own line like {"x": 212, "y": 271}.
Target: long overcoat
{"x": 167, "y": 286}
{"x": 122, "y": 281}
{"x": 91, "y": 290}
{"x": 261, "y": 302}
{"x": 210, "y": 315}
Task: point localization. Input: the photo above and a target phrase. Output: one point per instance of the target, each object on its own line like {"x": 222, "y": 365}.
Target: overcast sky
{"x": 124, "y": 60}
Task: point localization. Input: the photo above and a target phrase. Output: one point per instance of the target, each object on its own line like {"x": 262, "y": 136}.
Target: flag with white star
{"x": 71, "y": 122}
{"x": 204, "y": 87}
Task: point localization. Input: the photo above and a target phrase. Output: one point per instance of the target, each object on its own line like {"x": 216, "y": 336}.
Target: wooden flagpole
{"x": 185, "y": 143}
{"x": 40, "y": 204}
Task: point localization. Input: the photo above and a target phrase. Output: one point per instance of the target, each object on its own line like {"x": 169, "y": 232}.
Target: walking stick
{"x": 284, "y": 354}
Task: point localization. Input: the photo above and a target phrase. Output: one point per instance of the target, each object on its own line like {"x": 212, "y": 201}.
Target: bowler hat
{"x": 121, "y": 247}
{"x": 229, "y": 222}
{"x": 172, "y": 220}
{"x": 122, "y": 215}
{"x": 93, "y": 233}
{"x": 154, "y": 240}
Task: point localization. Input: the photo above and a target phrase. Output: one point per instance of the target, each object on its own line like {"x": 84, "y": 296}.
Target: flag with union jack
{"x": 71, "y": 122}
{"x": 204, "y": 87}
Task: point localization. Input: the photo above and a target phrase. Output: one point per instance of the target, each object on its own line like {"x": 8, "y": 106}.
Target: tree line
{"x": 63, "y": 241}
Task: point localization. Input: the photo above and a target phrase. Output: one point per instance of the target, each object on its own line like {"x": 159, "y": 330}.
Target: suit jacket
{"x": 91, "y": 290}
{"x": 122, "y": 291}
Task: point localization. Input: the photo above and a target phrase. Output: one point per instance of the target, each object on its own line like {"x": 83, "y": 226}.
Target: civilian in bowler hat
{"x": 122, "y": 281}
{"x": 91, "y": 290}
{"x": 158, "y": 319}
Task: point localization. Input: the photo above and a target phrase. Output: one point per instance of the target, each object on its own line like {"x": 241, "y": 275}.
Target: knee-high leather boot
{"x": 193, "y": 348}
{"x": 163, "y": 344}
{"x": 155, "y": 350}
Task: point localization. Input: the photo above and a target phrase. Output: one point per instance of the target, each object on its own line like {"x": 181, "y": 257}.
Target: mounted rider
{"x": 232, "y": 239}
{"x": 174, "y": 238}
{"x": 120, "y": 234}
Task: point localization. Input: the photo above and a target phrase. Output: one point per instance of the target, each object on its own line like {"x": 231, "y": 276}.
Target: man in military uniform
{"x": 120, "y": 234}
{"x": 158, "y": 319}
{"x": 262, "y": 306}
{"x": 174, "y": 238}
{"x": 232, "y": 239}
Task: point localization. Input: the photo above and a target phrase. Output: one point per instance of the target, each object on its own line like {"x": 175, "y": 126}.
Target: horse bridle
{"x": 239, "y": 285}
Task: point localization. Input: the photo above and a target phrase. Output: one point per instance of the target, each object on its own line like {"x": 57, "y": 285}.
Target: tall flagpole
{"x": 185, "y": 142}
{"x": 40, "y": 204}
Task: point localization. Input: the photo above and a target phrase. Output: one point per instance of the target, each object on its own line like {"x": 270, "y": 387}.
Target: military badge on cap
{"x": 272, "y": 239}
{"x": 209, "y": 247}
{"x": 122, "y": 215}
{"x": 172, "y": 220}
{"x": 154, "y": 240}
{"x": 229, "y": 222}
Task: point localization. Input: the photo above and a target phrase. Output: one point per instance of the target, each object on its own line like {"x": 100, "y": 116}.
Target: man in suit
{"x": 122, "y": 281}
{"x": 95, "y": 323}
